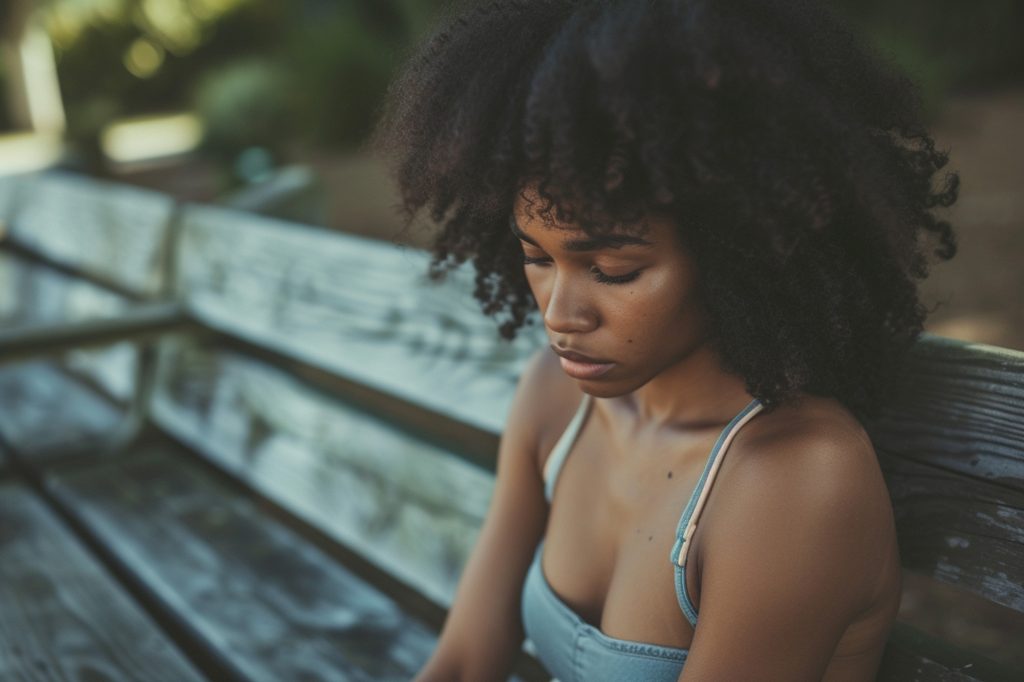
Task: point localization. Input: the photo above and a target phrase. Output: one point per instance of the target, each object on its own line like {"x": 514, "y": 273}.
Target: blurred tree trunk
{"x": 33, "y": 92}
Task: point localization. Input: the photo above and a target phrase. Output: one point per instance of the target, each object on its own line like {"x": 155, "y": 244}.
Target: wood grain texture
{"x": 61, "y": 617}
{"x": 33, "y": 294}
{"x": 959, "y": 407}
{"x": 375, "y": 488}
{"x": 272, "y": 604}
{"x": 110, "y": 230}
{"x": 951, "y": 444}
{"x": 962, "y": 531}
{"x": 44, "y": 411}
{"x": 913, "y": 656}
{"x": 360, "y": 308}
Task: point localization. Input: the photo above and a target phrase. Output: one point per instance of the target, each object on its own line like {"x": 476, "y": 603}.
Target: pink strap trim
{"x": 712, "y": 474}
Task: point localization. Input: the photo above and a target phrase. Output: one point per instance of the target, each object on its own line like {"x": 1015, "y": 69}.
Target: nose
{"x": 568, "y": 308}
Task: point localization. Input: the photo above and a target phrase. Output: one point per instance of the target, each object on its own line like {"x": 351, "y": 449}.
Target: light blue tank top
{"x": 575, "y": 651}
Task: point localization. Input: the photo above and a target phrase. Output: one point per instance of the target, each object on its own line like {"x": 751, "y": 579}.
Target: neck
{"x": 695, "y": 392}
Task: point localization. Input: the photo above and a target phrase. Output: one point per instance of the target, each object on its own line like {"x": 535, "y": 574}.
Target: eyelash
{"x": 598, "y": 275}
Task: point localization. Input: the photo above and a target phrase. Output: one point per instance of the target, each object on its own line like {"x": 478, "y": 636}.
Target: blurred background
{"x": 217, "y": 101}
{"x": 203, "y": 98}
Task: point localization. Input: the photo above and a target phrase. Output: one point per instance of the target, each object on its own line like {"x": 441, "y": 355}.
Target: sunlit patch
{"x": 979, "y": 328}
{"x": 27, "y": 152}
{"x": 143, "y": 58}
{"x": 151, "y": 137}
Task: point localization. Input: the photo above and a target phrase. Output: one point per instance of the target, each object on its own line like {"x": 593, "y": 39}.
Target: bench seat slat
{"x": 268, "y": 602}
{"x": 61, "y": 615}
{"x": 33, "y": 294}
{"x": 44, "y": 411}
{"x": 914, "y": 656}
{"x": 960, "y": 530}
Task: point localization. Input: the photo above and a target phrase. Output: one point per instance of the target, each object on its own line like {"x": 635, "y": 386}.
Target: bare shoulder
{"x": 809, "y": 468}
{"x": 549, "y": 398}
{"x": 796, "y": 556}
{"x": 815, "y": 446}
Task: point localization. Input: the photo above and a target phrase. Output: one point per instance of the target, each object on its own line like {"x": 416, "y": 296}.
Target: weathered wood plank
{"x": 10, "y": 190}
{"x": 964, "y": 531}
{"x": 61, "y": 616}
{"x": 961, "y": 407}
{"x": 375, "y": 488}
{"x": 114, "y": 232}
{"x": 31, "y": 294}
{"x": 144, "y": 321}
{"x": 951, "y": 443}
{"x": 360, "y": 308}
{"x": 43, "y": 411}
{"x": 913, "y": 656}
{"x": 269, "y": 602}
{"x": 33, "y": 297}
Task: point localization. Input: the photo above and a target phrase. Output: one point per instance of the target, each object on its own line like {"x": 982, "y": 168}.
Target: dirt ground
{"x": 979, "y": 293}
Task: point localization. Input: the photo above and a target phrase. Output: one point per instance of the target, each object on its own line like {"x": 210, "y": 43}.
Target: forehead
{"x": 532, "y": 213}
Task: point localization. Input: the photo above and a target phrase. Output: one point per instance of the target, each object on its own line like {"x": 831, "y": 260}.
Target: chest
{"x": 614, "y": 516}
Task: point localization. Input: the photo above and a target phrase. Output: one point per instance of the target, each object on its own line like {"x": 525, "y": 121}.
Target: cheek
{"x": 664, "y": 308}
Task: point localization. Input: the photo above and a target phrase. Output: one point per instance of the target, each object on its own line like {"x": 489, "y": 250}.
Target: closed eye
{"x": 600, "y": 276}
{"x": 614, "y": 279}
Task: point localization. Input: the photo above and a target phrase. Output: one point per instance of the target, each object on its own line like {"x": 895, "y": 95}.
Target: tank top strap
{"x": 558, "y": 453}
{"x": 688, "y": 519}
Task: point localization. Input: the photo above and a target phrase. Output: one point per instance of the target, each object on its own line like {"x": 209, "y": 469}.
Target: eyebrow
{"x": 595, "y": 243}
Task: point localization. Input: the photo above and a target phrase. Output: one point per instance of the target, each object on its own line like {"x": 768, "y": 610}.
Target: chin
{"x": 607, "y": 389}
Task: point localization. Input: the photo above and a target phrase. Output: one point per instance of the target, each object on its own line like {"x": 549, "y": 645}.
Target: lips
{"x": 580, "y": 366}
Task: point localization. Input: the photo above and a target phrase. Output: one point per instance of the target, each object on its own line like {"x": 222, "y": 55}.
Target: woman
{"x": 720, "y": 209}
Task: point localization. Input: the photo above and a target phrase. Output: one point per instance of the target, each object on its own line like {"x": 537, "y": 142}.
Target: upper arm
{"x": 789, "y": 562}
{"x": 483, "y": 632}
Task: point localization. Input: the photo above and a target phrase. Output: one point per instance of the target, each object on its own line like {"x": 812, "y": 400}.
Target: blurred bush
{"x": 247, "y": 104}
{"x": 279, "y": 75}
{"x": 945, "y": 45}
{"x": 261, "y": 73}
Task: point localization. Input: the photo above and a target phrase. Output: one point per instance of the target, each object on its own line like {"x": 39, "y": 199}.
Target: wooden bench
{"x": 268, "y": 454}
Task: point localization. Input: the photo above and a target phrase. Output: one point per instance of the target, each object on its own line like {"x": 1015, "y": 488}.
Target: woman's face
{"x": 622, "y": 307}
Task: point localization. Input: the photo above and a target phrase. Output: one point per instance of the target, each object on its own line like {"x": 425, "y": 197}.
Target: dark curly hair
{"x": 794, "y": 163}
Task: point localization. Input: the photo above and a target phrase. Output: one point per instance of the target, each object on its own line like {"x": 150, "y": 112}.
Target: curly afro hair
{"x": 794, "y": 163}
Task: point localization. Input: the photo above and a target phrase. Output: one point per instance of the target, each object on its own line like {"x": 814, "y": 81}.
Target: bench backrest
{"x": 112, "y": 232}
{"x": 339, "y": 383}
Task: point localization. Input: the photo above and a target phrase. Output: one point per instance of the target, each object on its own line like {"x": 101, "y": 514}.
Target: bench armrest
{"x": 142, "y": 321}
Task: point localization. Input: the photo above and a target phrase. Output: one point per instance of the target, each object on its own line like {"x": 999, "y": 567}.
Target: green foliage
{"x": 343, "y": 69}
{"x": 247, "y": 103}
{"x": 945, "y": 44}
{"x": 323, "y": 66}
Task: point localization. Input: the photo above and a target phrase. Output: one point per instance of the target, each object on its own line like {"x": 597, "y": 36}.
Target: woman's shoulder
{"x": 810, "y": 431}
{"x": 807, "y": 463}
